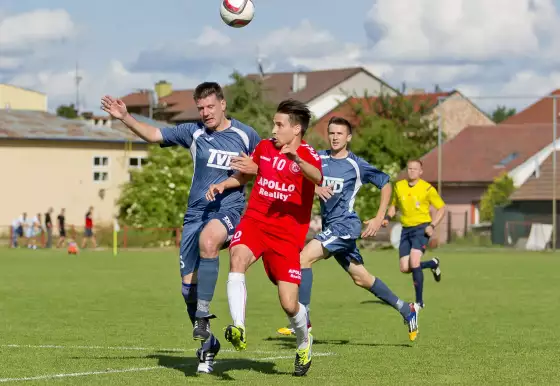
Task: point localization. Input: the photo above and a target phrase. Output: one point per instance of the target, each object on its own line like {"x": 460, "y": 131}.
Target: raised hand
{"x": 290, "y": 152}
{"x": 115, "y": 107}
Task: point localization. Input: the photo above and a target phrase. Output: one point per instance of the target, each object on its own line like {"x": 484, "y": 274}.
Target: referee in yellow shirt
{"x": 413, "y": 198}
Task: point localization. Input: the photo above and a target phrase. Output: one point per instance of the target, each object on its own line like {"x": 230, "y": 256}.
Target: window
{"x": 100, "y": 176}
{"x": 507, "y": 160}
{"x": 100, "y": 168}
{"x": 100, "y": 161}
{"x": 137, "y": 162}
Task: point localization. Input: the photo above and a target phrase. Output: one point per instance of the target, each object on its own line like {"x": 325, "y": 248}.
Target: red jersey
{"x": 282, "y": 197}
{"x": 89, "y": 220}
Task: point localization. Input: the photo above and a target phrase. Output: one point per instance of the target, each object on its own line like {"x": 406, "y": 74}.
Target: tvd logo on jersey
{"x": 336, "y": 183}
{"x": 220, "y": 159}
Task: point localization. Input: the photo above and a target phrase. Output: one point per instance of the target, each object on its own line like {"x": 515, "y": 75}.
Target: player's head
{"x": 62, "y": 210}
{"x": 290, "y": 122}
{"x": 414, "y": 169}
{"x": 340, "y": 133}
{"x": 211, "y": 104}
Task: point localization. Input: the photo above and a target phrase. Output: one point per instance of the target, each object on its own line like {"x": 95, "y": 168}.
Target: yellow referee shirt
{"x": 414, "y": 202}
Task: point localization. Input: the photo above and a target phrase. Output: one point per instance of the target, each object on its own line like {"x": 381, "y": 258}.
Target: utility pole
{"x": 78, "y": 79}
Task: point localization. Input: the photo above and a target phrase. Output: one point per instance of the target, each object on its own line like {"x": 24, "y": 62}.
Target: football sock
{"x": 189, "y": 294}
{"x": 383, "y": 292}
{"x": 237, "y": 297}
{"x": 305, "y": 286}
{"x": 207, "y": 277}
{"x": 209, "y": 343}
{"x": 418, "y": 279}
{"x": 299, "y": 324}
{"x": 428, "y": 264}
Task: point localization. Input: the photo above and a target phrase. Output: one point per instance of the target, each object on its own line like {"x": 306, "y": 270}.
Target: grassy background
{"x": 491, "y": 320}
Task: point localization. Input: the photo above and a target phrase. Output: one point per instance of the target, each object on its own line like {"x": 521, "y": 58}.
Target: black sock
{"x": 418, "y": 279}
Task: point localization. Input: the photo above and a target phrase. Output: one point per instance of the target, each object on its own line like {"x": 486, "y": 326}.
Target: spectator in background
{"x": 48, "y": 227}
{"x": 61, "y": 227}
{"x": 32, "y": 230}
{"x": 17, "y": 229}
{"x": 88, "y": 233}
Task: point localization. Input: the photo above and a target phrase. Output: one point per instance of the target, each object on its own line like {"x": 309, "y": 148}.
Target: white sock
{"x": 299, "y": 324}
{"x": 237, "y": 297}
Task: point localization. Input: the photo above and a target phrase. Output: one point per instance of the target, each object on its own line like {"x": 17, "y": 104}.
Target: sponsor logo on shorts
{"x": 228, "y": 222}
{"x": 295, "y": 274}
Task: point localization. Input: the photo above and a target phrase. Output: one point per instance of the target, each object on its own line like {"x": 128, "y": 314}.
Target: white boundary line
{"x": 137, "y": 369}
{"x": 118, "y": 348}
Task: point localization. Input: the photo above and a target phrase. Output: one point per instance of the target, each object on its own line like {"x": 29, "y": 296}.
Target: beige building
{"x": 48, "y": 161}
{"x": 17, "y": 98}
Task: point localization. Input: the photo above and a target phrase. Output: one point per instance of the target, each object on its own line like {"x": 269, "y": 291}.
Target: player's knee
{"x": 289, "y": 305}
{"x": 209, "y": 248}
{"x": 237, "y": 261}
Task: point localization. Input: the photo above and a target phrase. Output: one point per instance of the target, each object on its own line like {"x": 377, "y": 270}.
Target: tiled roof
{"x": 539, "y": 187}
{"x": 24, "y": 124}
{"x": 481, "y": 153}
{"x": 538, "y": 112}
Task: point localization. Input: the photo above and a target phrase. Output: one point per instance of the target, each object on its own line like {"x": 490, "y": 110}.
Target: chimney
{"x": 416, "y": 91}
{"x": 163, "y": 89}
{"x": 299, "y": 81}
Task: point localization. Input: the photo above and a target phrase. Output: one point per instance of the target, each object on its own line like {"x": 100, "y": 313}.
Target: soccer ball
{"x": 237, "y": 13}
{"x": 73, "y": 248}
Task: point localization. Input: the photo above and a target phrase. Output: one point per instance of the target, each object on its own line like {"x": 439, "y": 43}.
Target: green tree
{"x": 247, "y": 103}
{"x": 157, "y": 194}
{"x": 497, "y": 194}
{"x": 67, "y": 111}
{"x": 502, "y": 113}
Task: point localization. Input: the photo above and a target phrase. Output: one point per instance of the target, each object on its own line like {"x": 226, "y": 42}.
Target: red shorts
{"x": 280, "y": 252}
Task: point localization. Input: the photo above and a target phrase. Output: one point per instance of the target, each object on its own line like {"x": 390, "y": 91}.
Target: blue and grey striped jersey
{"x": 346, "y": 176}
{"x": 211, "y": 152}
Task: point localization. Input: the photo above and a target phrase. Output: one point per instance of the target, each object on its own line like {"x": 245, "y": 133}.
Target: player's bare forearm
{"x": 309, "y": 171}
{"x": 384, "y": 202}
{"x": 438, "y": 217}
{"x": 147, "y": 132}
{"x": 237, "y": 180}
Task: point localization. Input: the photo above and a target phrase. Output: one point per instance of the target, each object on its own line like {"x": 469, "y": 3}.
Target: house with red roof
{"x": 321, "y": 90}
{"x": 451, "y": 109}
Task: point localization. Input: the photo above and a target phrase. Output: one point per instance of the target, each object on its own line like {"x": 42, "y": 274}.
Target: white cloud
{"x": 115, "y": 80}
{"x": 36, "y": 27}
{"x": 472, "y": 30}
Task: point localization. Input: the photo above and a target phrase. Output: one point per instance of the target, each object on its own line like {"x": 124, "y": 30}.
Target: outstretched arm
{"x": 375, "y": 223}
{"x": 117, "y": 109}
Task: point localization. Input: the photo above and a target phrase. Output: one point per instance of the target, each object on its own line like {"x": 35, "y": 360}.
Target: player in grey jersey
{"x": 344, "y": 174}
{"x": 207, "y": 226}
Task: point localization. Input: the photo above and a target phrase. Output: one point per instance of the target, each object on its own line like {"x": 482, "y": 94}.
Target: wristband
{"x": 387, "y": 217}
{"x": 432, "y": 225}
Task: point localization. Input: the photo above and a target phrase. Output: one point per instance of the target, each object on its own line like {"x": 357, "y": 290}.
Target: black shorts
{"x": 63, "y": 233}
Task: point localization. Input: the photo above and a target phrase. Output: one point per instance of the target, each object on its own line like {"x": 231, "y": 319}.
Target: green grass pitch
{"x": 98, "y": 319}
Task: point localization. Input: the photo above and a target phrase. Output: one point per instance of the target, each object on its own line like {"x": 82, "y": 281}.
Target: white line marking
{"x": 117, "y": 348}
{"x": 137, "y": 369}
{"x": 53, "y": 376}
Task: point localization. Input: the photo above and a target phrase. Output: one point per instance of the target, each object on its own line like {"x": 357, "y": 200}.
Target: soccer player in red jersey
{"x": 275, "y": 223}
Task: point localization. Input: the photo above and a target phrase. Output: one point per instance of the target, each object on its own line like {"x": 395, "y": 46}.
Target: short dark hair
{"x": 417, "y": 161}
{"x": 297, "y": 111}
{"x": 206, "y": 89}
{"x": 340, "y": 121}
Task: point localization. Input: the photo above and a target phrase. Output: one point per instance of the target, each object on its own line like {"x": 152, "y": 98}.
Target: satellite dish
{"x": 396, "y": 231}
